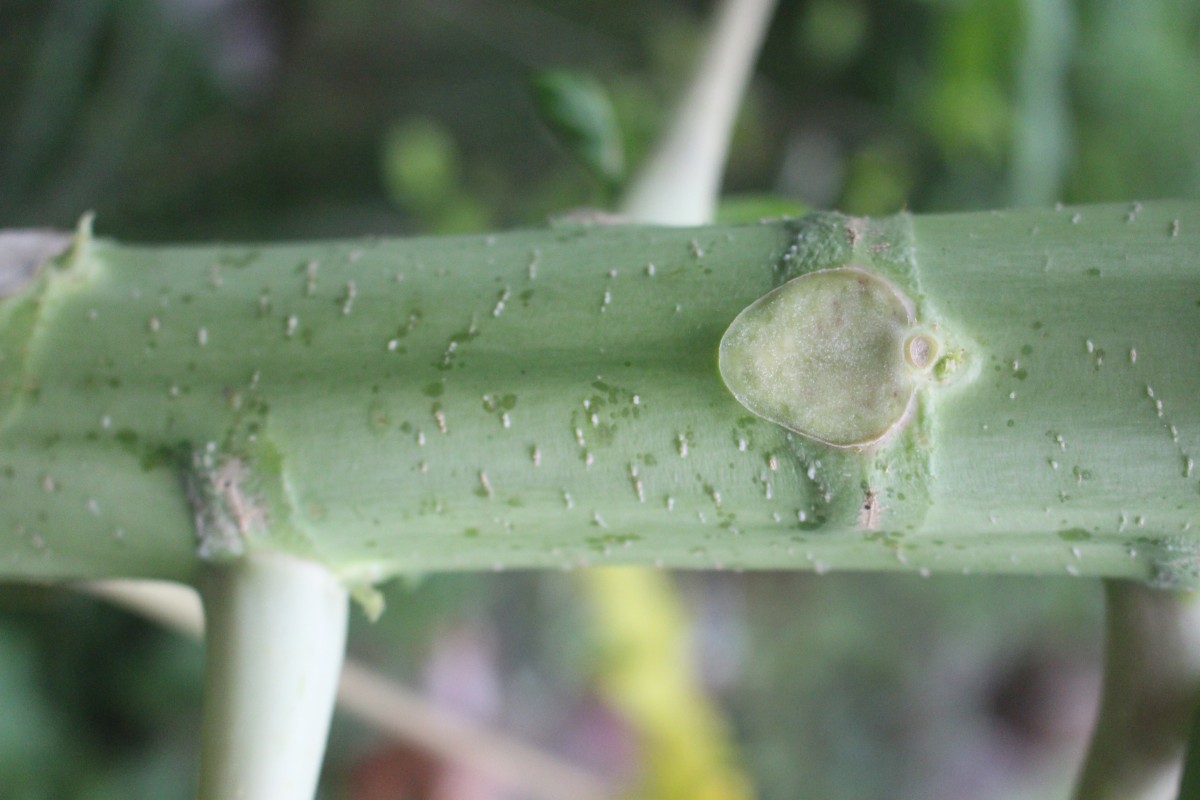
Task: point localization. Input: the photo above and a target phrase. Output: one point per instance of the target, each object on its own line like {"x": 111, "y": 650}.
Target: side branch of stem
{"x": 1152, "y": 669}
{"x": 276, "y": 632}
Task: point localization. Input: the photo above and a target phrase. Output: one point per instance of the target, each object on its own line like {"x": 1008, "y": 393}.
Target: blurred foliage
{"x": 264, "y": 119}
{"x": 645, "y": 669}
{"x": 577, "y": 110}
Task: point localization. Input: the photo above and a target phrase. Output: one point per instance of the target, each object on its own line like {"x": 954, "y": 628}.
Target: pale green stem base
{"x": 1152, "y": 669}
{"x": 681, "y": 182}
{"x": 276, "y": 631}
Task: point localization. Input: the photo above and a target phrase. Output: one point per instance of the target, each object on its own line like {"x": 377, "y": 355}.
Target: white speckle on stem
{"x": 439, "y": 417}
{"x": 290, "y": 326}
{"x": 202, "y": 337}
{"x": 498, "y": 309}
{"x": 310, "y": 276}
{"x": 348, "y": 300}
{"x": 535, "y": 455}
{"x": 535, "y": 257}
{"x": 485, "y": 484}
{"x": 650, "y": 269}
{"x": 681, "y": 444}
{"x": 154, "y": 325}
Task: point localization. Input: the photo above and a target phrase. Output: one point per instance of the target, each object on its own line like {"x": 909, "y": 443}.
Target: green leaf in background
{"x": 578, "y": 112}
{"x": 422, "y": 172}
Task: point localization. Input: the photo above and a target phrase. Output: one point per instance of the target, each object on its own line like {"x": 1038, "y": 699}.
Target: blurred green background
{"x": 266, "y": 120}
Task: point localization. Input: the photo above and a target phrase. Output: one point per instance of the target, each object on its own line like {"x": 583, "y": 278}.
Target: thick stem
{"x": 276, "y": 630}
{"x": 552, "y": 398}
{"x": 1152, "y": 669}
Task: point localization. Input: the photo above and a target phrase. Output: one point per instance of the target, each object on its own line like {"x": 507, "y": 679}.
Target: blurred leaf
{"x": 832, "y": 33}
{"x": 1137, "y": 87}
{"x": 30, "y": 731}
{"x": 577, "y": 110}
{"x": 646, "y": 673}
{"x": 420, "y": 164}
{"x": 422, "y": 173}
{"x": 879, "y": 181}
{"x": 968, "y": 109}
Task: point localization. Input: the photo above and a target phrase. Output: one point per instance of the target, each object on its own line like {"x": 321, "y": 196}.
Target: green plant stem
{"x": 390, "y": 708}
{"x": 681, "y": 182}
{"x": 1152, "y": 669}
{"x": 550, "y": 399}
{"x": 276, "y": 630}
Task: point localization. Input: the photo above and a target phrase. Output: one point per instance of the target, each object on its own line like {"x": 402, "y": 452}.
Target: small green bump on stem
{"x": 921, "y": 351}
